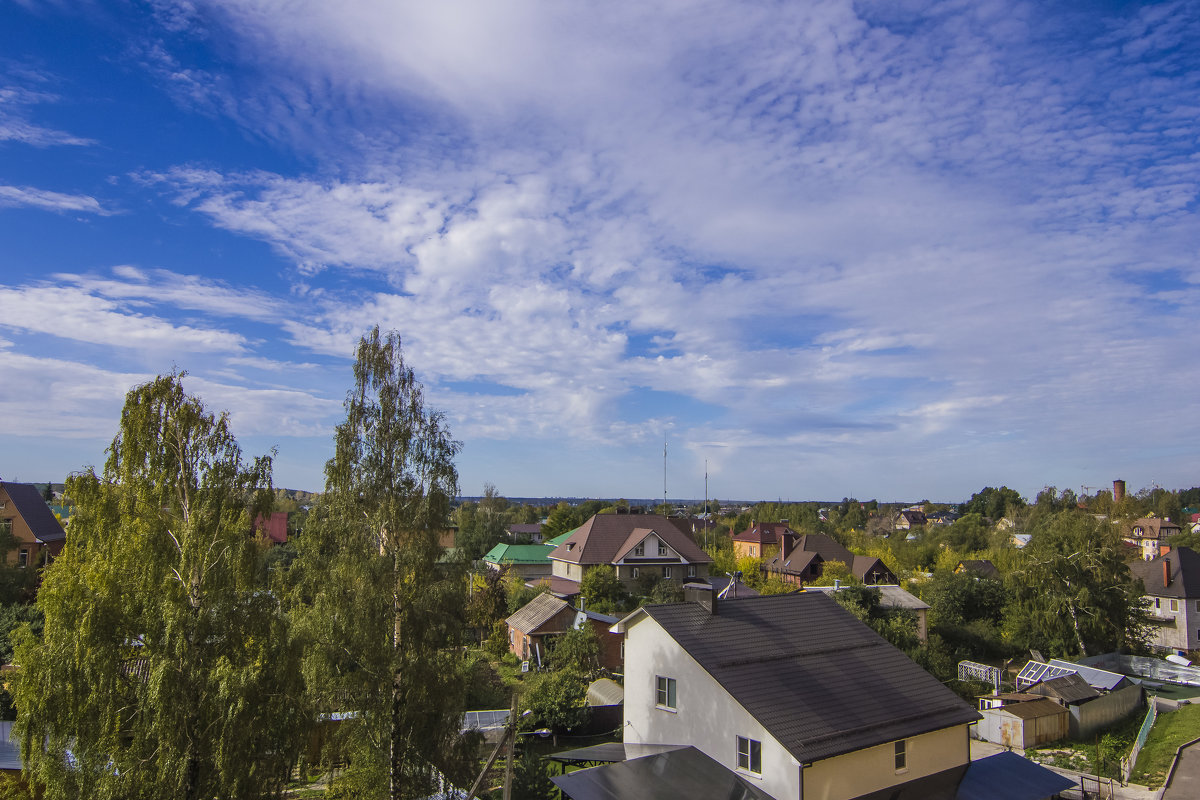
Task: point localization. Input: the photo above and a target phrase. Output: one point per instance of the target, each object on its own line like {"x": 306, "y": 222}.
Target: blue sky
{"x": 884, "y": 249}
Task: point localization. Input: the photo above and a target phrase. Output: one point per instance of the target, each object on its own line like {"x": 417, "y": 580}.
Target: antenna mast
{"x": 664, "y": 473}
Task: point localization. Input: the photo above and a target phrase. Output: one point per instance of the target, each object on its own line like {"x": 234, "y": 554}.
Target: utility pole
{"x": 665, "y": 474}
{"x": 706, "y": 503}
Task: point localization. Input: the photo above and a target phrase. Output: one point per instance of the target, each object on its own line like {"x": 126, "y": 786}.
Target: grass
{"x": 1096, "y": 756}
{"x": 1171, "y": 730}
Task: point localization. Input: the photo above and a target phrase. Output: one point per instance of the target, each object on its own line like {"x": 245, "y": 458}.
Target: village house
{"x": 1172, "y": 586}
{"x": 637, "y": 546}
{"x": 759, "y": 538}
{"x": 792, "y": 691}
{"x": 529, "y": 561}
{"x": 1150, "y": 534}
{"x": 532, "y": 629}
{"x": 36, "y": 533}
{"x": 801, "y": 558}
{"x": 788, "y": 697}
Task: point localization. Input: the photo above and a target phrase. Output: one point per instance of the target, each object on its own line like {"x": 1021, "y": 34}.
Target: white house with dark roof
{"x": 794, "y": 694}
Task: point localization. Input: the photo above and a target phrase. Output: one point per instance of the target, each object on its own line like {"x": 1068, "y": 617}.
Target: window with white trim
{"x": 23, "y": 558}
{"x": 640, "y": 550}
{"x": 692, "y": 572}
{"x": 1174, "y": 605}
{"x": 664, "y": 692}
{"x": 902, "y": 755}
{"x": 662, "y": 549}
{"x": 637, "y": 573}
{"x": 666, "y": 572}
{"x": 749, "y": 755}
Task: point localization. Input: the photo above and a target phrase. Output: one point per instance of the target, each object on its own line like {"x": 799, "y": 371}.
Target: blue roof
{"x": 1008, "y": 776}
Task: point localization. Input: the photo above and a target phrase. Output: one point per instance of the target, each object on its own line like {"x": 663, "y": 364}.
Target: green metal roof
{"x": 562, "y": 537}
{"x": 519, "y": 554}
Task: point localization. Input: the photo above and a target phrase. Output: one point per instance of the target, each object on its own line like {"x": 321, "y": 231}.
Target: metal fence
{"x": 1130, "y": 760}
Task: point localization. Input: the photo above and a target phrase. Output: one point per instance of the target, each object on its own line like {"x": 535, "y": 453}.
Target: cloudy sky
{"x": 891, "y": 248}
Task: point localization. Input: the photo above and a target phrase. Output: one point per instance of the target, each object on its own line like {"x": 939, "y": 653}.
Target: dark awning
{"x": 681, "y": 773}
{"x": 1008, "y": 776}
{"x": 611, "y": 752}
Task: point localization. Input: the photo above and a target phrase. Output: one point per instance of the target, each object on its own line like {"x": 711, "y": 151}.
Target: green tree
{"x": 993, "y": 503}
{"x": 557, "y": 698}
{"x": 578, "y": 649}
{"x": 601, "y": 591}
{"x": 164, "y": 666}
{"x": 383, "y": 616}
{"x": 1072, "y": 594}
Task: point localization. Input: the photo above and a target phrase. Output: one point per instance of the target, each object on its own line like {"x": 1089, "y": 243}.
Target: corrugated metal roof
{"x": 1032, "y": 709}
{"x": 605, "y": 692}
{"x": 820, "y": 681}
{"x": 518, "y": 554}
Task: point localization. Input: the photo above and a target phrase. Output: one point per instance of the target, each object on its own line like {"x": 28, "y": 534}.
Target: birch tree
{"x": 165, "y": 669}
{"x": 1072, "y": 593}
{"x": 380, "y": 612}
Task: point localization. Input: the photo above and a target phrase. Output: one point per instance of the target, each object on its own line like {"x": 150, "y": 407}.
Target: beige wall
{"x": 872, "y": 769}
{"x": 24, "y": 536}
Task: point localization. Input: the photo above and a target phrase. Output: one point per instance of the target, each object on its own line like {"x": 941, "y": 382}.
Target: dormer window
{"x": 570, "y": 546}
{"x": 662, "y": 549}
{"x": 640, "y": 550}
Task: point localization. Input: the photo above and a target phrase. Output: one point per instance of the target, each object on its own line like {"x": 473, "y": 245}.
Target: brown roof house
{"x": 1151, "y": 534}
{"x": 801, "y": 557}
{"x": 760, "y": 537}
{"x": 36, "y": 532}
{"x": 532, "y": 629}
{"x": 1024, "y": 723}
{"x": 1172, "y": 586}
{"x": 636, "y": 545}
{"x": 983, "y": 568}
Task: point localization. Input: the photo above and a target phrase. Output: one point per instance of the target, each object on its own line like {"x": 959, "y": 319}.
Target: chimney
{"x": 1166, "y": 562}
{"x": 787, "y": 543}
{"x": 703, "y": 594}
{"x": 1118, "y": 491}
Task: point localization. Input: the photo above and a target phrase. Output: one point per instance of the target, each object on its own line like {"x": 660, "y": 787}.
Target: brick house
{"x": 36, "y": 533}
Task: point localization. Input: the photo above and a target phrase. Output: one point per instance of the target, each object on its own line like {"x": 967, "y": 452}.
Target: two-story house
{"x": 1172, "y": 586}
{"x": 760, "y": 538}
{"x": 793, "y": 694}
{"x": 1150, "y": 534}
{"x": 35, "y": 531}
{"x": 636, "y": 545}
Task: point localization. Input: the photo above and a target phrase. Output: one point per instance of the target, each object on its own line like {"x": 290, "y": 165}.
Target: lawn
{"x": 1100, "y": 755}
{"x": 1171, "y": 730}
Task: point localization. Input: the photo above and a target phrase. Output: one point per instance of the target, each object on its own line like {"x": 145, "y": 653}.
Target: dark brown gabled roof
{"x": 982, "y": 567}
{"x": 764, "y": 533}
{"x": 819, "y": 681}
{"x": 826, "y": 546}
{"x": 1184, "y": 573}
{"x": 603, "y": 537}
{"x": 33, "y": 509}
{"x": 795, "y": 563}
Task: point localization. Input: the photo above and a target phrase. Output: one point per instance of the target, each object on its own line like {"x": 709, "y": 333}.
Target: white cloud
{"x": 70, "y": 313}
{"x": 17, "y": 196}
{"x": 15, "y": 125}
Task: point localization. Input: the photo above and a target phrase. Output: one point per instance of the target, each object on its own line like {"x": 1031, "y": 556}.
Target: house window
{"x": 662, "y": 549}
{"x": 692, "y": 573}
{"x": 1174, "y": 605}
{"x": 902, "y": 755}
{"x": 749, "y": 755}
{"x": 1157, "y": 603}
{"x": 5, "y": 527}
{"x": 664, "y": 692}
{"x": 666, "y": 572}
{"x": 637, "y": 573}
{"x": 23, "y": 557}
{"x": 640, "y": 550}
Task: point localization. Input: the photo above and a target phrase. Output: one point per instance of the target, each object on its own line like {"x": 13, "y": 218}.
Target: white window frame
{"x": 692, "y": 574}
{"x": 23, "y": 557}
{"x": 662, "y": 549}
{"x": 637, "y": 573}
{"x": 639, "y": 550}
{"x": 749, "y": 755}
{"x": 666, "y": 693}
{"x": 666, "y": 572}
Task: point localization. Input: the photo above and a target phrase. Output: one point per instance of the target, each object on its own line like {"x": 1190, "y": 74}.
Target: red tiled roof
{"x": 275, "y": 528}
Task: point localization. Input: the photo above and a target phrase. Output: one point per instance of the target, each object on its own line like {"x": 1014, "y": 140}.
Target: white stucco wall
{"x": 1185, "y": 634}
{"x": 706, "y": 717}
